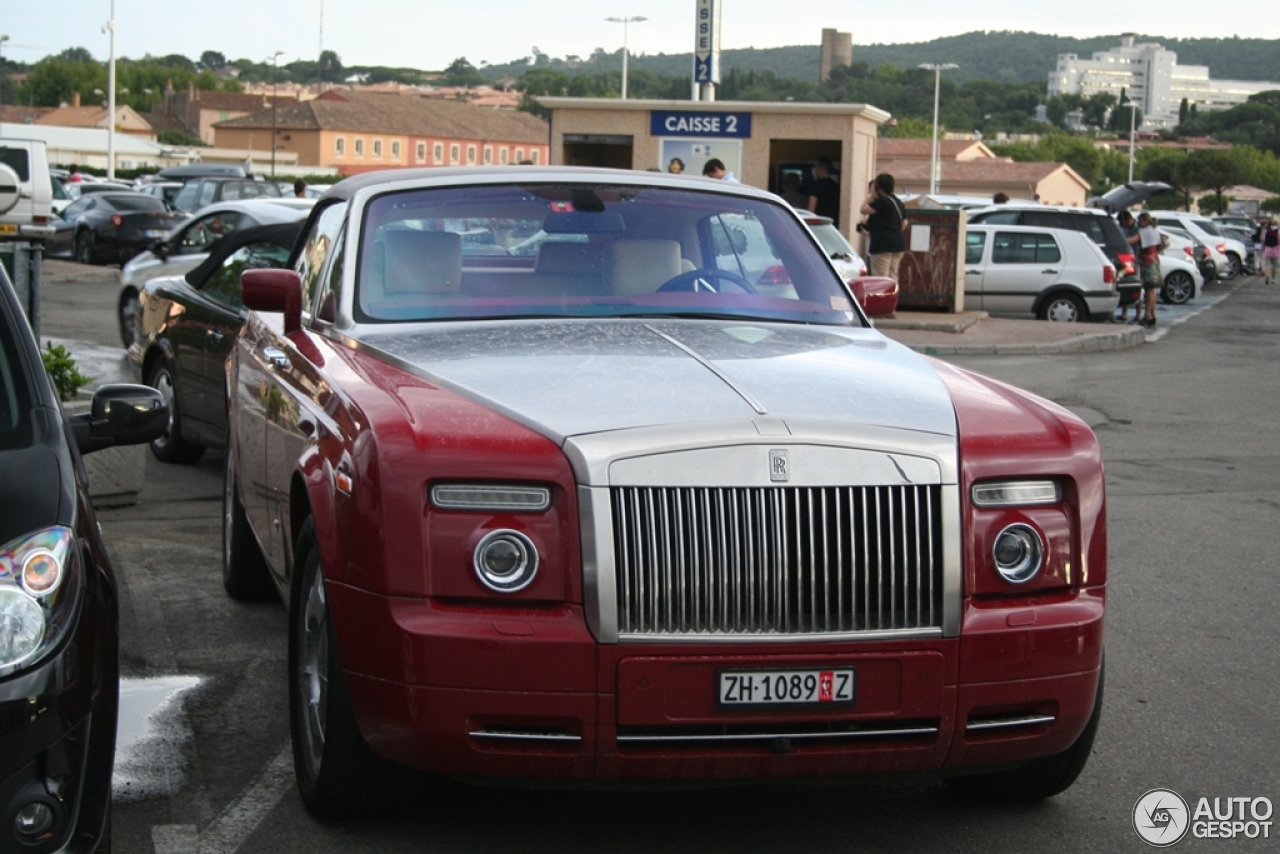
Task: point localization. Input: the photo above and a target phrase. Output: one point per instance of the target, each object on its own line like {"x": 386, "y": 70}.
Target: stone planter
{"x": 116, "y": 475}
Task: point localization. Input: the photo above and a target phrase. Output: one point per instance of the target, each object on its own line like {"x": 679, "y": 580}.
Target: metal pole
{"x": 275, "y": 83}
{"x": 933, "y": 152}
{"x": 3, "y": 39}
{"x": 625, "y": 20}
{"x": 111, "y": 95}
{"x": 1132, "y": 154}
{"x": 937, "y": 68}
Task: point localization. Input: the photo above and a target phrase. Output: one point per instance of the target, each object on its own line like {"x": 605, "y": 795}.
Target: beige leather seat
{"x": 408, "y": 265}
{"x": 642, "y": 266}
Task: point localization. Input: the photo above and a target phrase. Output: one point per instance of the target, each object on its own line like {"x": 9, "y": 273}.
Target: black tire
{"x": 1040, "y": 778}
{"x": 127, "y": 314}
{"x": 1234, "y": 266}
{"x": 171, "y": 447}
{"x": 1063, "y": 307}
{"x": 1178, "y": 288}
{"x": 85, "y": 247}
{"x": 245, "y": 574}
{"x": 339, "y": 776}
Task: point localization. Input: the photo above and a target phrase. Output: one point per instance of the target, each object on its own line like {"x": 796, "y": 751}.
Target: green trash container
{"x": 21, "y": 260}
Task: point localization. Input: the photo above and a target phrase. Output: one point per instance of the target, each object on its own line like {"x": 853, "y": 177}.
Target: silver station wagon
{"x": 1051, "y": 273}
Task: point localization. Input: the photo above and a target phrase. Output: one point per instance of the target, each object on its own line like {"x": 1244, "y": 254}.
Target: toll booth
{"x": 760, "y": 142}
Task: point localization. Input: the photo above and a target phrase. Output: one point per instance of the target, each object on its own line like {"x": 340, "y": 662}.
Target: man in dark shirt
{"x": 885, "y": 224}
{"x": 824, "y": 192}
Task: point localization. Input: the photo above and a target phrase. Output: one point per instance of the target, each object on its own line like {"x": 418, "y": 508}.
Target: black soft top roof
{"x": 283, "y": 234}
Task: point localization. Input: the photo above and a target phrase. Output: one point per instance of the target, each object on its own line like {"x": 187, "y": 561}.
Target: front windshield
{"x": 590, "y": 250}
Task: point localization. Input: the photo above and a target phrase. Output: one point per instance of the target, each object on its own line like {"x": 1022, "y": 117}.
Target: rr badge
{"x": 779, "y": 468}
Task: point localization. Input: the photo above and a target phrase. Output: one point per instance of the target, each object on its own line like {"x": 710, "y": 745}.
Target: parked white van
{"x": 26, "y": 169}
{"x": 1050, "y": 273}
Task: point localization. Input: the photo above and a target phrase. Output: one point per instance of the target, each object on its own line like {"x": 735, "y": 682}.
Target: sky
{"x": 429, "y": 34}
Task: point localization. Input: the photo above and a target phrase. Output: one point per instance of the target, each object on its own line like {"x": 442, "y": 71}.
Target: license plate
{"x": 8, "y": 228}
{"x": 786, "y": 687}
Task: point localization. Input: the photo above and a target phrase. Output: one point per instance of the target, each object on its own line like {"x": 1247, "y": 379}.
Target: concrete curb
{"x": 1120, "y": 340}
{"x": 87, "y": 278}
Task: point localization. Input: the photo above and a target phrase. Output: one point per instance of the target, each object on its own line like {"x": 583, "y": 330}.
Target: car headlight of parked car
{"x": 1024, "y": 529}
{"x": 38, "y": 582}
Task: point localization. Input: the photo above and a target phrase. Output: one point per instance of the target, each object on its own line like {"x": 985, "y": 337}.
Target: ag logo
{"x": 1161, "y": 817}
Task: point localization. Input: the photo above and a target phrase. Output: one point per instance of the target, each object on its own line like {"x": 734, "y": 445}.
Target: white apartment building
{"x": 1152, "y": 77}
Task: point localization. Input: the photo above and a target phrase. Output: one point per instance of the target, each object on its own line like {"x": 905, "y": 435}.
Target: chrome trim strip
{"x": 952, "y": 561}
{"x": 599, "y": 581}
{"x": 1007, "y": 723}
{"x": 797, "y": 736}
{"x": 778, "y": 637}
{"x": 702, "y": 360}
{"x": 562, "y": 738}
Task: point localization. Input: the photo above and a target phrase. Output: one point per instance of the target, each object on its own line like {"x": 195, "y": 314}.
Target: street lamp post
{"x": 111, "y": 95}
{"x": 4, "y": 38}
{"x": 275, "y": 82}
{"x": 937, "y": 68}
{"x": 626, "y": 20}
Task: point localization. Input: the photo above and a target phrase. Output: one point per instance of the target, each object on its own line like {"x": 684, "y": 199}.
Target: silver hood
{"x": 568, "y": 378}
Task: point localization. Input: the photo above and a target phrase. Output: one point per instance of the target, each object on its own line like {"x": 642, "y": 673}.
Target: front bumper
{"x": 481, "y": 691}
{"x": 57, "y": 741}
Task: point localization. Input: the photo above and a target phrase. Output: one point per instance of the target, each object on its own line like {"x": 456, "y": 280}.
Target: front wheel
{"x": 339, "y": 776}
{"x": 85, "y": 247}
{"x": 171, "y": 447}
{"x": 1234, "y": 266}
{"x": 1178, "y": 287}
{"x": 1064, "y": 308}
{"x": 127, "y": 311}
{"x": 1040, "y": 778}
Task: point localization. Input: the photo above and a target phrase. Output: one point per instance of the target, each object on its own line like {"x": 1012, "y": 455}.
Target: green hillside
{"x": 1002, "y": 56}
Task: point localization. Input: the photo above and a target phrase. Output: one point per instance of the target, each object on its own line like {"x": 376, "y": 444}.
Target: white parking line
{"x": 1163, "y": 328}
{"x": 226, "y": 833}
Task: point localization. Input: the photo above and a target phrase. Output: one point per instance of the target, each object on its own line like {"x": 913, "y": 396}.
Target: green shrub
{"x": 67, "y": 379}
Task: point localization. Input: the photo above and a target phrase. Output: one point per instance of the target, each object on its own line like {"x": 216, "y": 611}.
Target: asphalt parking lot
{"x": 1187, "y": 424}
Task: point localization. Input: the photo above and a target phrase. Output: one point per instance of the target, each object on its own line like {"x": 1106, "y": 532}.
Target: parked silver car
{"x": 1050, "y": 273}
{"x": 190, "y": 243}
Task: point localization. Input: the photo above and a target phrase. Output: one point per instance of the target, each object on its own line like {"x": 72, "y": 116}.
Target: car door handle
{"x": 214, "y": 335}
{"x": 276, "y": 356}
{"x": 1049, "y": 272}
{"x": 972, "y": 272}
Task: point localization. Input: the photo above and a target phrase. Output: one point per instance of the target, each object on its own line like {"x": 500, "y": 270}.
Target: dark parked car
{"x": 59, "y": 624}
{"x": 111, "y": 227}
{"x": 187, "y": 326}
{"x": 1096, "y": 223}
{"x": 205, "y": 191}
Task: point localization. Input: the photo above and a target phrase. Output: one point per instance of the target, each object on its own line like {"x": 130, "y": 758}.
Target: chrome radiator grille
{"x": 777, "y": 560}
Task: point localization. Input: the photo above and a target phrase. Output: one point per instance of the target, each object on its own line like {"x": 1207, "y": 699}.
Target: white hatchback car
{"x": 189, "y": 245}
{"x": 1182, "y": 279}
{"x": 1051, "y": 273}
{"x": 1230, "y": 253}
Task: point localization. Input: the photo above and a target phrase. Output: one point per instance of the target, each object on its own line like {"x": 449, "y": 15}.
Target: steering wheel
{"x": 701, "y": 280}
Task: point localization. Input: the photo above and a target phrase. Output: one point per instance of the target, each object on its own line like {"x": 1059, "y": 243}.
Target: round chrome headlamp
{"x": 1018, "y": 553}
{"x": 506, "y": 561}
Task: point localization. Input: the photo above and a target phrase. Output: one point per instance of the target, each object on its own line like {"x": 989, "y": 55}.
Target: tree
{"x": 331, "y": 70}
{"x": 1213, "y": 204}
{"x": 1272, "y": 204}
{"x": 1183, "y": 109}
{"x": 462, "y": 73}
{"x": 1215, "y": 169}
{"x": 211, "y": 60}
{"x": 1167, "y": 165}
{"x": 1095, "y": 108}
{"x": 911, "y": 128}
{"x": 1120, "y": 117}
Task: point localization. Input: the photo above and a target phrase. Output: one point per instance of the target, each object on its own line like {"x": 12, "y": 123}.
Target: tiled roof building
{"x": 359, "y": 131}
